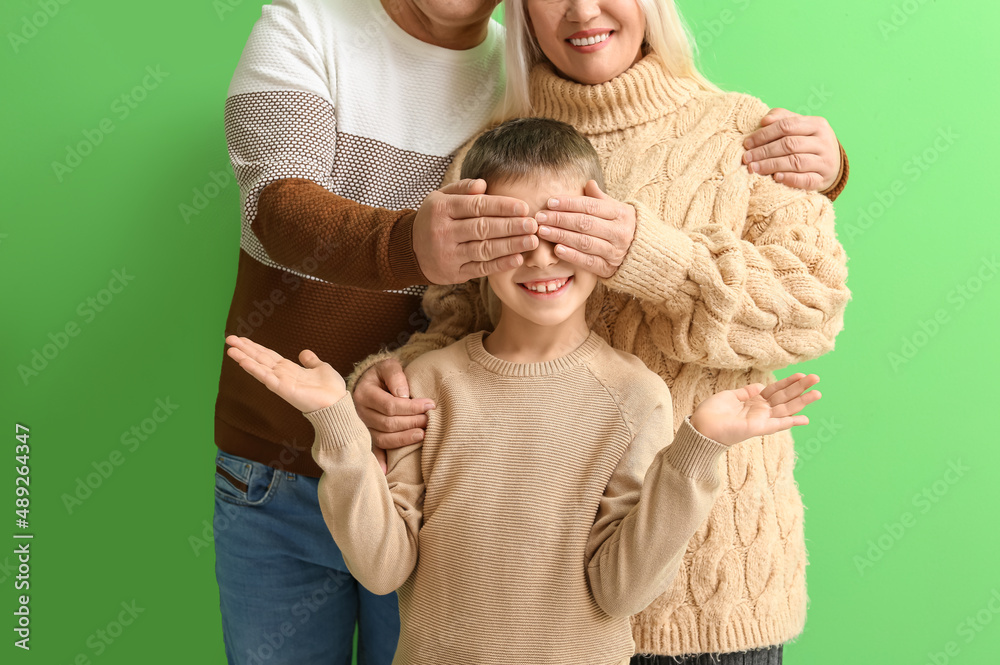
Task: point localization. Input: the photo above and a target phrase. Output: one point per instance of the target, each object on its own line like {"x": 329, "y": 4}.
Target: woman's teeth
{"x": 546, "y": 287}
{"x": 587, "y": 41}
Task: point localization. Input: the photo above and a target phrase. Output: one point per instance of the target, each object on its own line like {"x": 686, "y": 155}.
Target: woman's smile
{"x": 588, "y": 41}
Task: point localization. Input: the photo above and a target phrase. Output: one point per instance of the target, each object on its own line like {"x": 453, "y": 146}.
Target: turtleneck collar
{"x": 643, "y": 92}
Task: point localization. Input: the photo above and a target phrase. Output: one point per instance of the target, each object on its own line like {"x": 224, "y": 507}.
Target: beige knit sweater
{"x": 730, "y": 275}
{"x": 541, "y": 510}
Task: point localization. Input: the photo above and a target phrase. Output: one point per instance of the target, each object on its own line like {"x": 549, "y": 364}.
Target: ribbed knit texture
{"x": 540, "y": 511}
{"x": 730, "y": 275}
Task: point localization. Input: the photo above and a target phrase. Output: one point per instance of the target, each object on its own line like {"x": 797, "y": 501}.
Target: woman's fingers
{"x": 786, "y": 145}
{"x": 792, "y": 124}
{"x": 589, "y": 262}
{"x": 588, "y": 244}
{"x": 587, "y": 205}
{"x": 809, "y": 180}
{"x": 793, "y": 163}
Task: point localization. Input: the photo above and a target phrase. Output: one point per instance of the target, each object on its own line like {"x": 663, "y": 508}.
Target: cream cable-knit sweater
{"x": 730, "y": 275}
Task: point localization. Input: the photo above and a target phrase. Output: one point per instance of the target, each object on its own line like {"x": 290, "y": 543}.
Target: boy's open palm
{"x": 732, "y": 416}
{"x": 315, "y": 386}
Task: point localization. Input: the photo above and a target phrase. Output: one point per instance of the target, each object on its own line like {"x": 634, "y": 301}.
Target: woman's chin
{"x": 594, "y": 73}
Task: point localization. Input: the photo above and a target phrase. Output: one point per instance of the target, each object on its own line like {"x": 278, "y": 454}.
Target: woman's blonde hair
{"x": 666, "y": 35}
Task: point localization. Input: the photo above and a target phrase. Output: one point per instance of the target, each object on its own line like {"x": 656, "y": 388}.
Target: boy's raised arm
{"x": 374, "y": 517}
{"x": 655, "y": 501}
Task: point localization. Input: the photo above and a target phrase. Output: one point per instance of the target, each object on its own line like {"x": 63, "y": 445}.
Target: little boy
{"x": 543, "y": 506}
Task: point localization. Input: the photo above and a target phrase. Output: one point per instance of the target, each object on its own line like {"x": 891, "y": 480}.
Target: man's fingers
{"x": 392, "y": 440}
{"x": 483, "y": 251}
{"x": 467, "y": 186}
{"x": 786, "y": 145}
{"x": 370, "y": 394}
{"x": 390, "y": 373}
{"x": 488, "y": 228}
{"x": 475, "y": 269}
{"x": 484, "y": 205}
{"x": 393, "y": 424}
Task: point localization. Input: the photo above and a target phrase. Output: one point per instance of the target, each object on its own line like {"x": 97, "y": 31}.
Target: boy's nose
{"x": 542, "y": 256}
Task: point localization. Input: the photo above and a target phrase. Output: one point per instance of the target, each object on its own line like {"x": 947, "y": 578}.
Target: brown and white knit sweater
{"x": 730, "y": 275}
{"x": 330, "y": 165}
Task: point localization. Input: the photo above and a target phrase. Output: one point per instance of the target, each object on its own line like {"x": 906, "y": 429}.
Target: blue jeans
{"x": 285, "y": 593}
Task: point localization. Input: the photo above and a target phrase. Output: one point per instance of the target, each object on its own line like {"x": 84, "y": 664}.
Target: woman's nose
{"x": 581, "y": 11}
{"x": 542, "y": 256}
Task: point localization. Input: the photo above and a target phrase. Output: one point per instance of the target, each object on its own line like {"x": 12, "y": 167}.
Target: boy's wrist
{"x": 694, "y": 454}
{"x": 703, "y": 427}
{"x": 326, "y": 402}
{"x": 336, "y": 425}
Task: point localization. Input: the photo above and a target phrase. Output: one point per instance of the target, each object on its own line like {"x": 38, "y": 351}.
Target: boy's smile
{"x": 547, "y": 288}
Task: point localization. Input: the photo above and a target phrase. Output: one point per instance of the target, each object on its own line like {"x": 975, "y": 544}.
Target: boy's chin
{"x": 549, "y": 321}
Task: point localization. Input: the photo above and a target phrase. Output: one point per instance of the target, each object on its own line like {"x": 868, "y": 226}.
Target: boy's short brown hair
{"x": 526, "y": 146}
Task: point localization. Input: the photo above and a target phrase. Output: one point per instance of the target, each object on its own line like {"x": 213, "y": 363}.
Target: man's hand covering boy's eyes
{"x": 460, "y": 233}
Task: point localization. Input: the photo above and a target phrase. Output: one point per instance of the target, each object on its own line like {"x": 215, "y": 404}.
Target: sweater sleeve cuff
{"x": 838, "y": 186}
{"x": 657, "y": 261}
{"x": 338, "y": 427}
{"x": 694, "y": 454}
{"x": 402, "y": 260}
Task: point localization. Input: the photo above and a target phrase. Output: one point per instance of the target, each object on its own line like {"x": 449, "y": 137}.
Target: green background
{"x": 903, "y": 552}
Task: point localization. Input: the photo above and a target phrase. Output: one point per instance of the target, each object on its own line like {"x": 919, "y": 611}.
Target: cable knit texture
{"x": 730, "y": 275}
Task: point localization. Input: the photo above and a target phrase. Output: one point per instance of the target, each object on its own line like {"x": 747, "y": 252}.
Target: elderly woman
{"x": 712, "y": 273}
